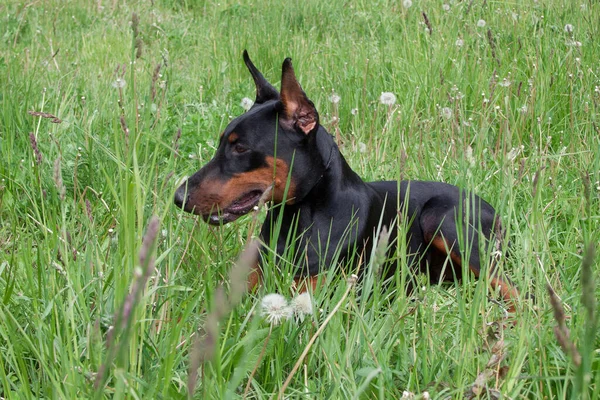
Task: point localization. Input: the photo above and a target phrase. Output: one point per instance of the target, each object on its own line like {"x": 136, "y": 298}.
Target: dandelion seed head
{"x": 246, "y": 103}
{"x": 334, "y": 98}
{"x": 119, "y": 83}
{"x": 446, "y": 113}
{"x": 459, "y": 42}
{"x": 275, "y": 308}
{"x": 354, "y": 111}
{"x": 302, "y": 305}
{"x": 481, "y": 23}
{"x": 362, "y": 147}
{"x": 505, "y": 82}
{"x": 407, "y": 3}
{"x": 446, "y": 7}
{"x": 569, "y": 28}
{"x": 387, "y": 98}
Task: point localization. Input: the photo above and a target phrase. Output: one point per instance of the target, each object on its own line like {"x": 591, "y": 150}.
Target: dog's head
{"x": 256, "y": 152}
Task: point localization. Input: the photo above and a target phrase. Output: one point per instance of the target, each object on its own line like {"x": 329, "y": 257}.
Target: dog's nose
{"x": 181, "y": 196}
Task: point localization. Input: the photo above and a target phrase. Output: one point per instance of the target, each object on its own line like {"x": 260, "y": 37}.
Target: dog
{"x": 278, "y": 150}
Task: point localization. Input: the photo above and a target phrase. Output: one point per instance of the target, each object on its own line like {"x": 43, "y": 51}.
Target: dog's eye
{"x": 239, "y": 148}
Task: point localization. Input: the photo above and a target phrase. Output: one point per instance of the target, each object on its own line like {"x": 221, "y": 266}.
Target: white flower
{"x": 481, "y": 23}
{"x": 275, "y": 308}
{"x": 334, "y": 98}
{"x": 246, "y": 103}
{"x": 513, "y": 153}
{"x": 407, "y": 3}
{"x": 446, "y": 113}
{"x": 569, "y": 28}
{"x": 459, "y": 42}
{"x": 354, "y": 111}
{"x": 446, "y": 7}
{"x": 505, "y": 83}
{"x": 387, "y": 98}
{"x": 302, "y": 305}
{"x": 119, "y": 83}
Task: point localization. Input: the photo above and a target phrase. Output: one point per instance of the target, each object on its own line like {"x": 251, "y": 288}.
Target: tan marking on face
{"x": 213, "y": 195}
{"x": 232, "y": 137}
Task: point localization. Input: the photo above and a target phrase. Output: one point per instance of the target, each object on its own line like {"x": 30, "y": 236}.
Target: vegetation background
{"x": 106, "y": 105}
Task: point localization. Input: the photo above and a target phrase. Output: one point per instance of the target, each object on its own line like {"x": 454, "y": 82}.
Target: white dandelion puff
{"x": 119, "y": 83}
{"x": 569, "y": 28}
{"x": 481, "y": 23}
{"x": 407, "y": 3}
{"x": 354, "y": 111}
{"x": 459, "y": 42}
{"x": 446, "y": 7}
{"x": 387, "y": 98}
{"x": 246, "y": 103}
{"x": 505, "y": 82}
{"x": 362, "y": 147}
{"x": 446, "y": 113}
{"x": 275, "y": 308}
{"x": 302, "y": 306}
{"x": 334, "y": 98}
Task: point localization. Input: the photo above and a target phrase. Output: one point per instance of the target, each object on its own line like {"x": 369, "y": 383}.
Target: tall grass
{"x": 105, "y": 106}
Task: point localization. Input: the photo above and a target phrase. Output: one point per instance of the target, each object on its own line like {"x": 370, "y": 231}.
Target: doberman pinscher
{"x": 278, "y": 149}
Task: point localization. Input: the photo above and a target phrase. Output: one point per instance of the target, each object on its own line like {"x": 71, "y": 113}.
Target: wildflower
{"x": 246, "y": 103}
{"x": 481, "y": 23}
{"x": 334, "y": 98}
{"x": 407, "y": 3}
{"x": 387, "y": 98}
{"x": 302, "y": 305}
{"x": 119, "y": 83}
{"x": 352, "y": 279}
{"x": 505, "y": 83}
{"x": 446, "y": 113}
{"x": 446, "y": 7}
{"x": 569, "y": 28}
{"x": 275, "y": 308}
{"x": 459, "y": 42}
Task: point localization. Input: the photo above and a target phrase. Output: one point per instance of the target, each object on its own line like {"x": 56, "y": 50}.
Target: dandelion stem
{"x": 314, "y": 338}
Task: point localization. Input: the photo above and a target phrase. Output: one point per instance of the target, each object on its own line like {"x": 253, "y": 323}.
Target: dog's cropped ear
{"x": 264, "y": 90}
{"x": 298, "y": 111}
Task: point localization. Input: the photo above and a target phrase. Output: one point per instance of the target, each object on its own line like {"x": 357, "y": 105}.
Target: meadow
{"x": 107, "y": 290}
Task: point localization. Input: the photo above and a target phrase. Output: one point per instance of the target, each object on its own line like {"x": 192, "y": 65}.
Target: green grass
{"x": 72, "y": 224}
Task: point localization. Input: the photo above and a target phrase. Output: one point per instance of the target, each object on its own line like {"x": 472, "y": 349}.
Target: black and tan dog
{"x": 278, "y": 149}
